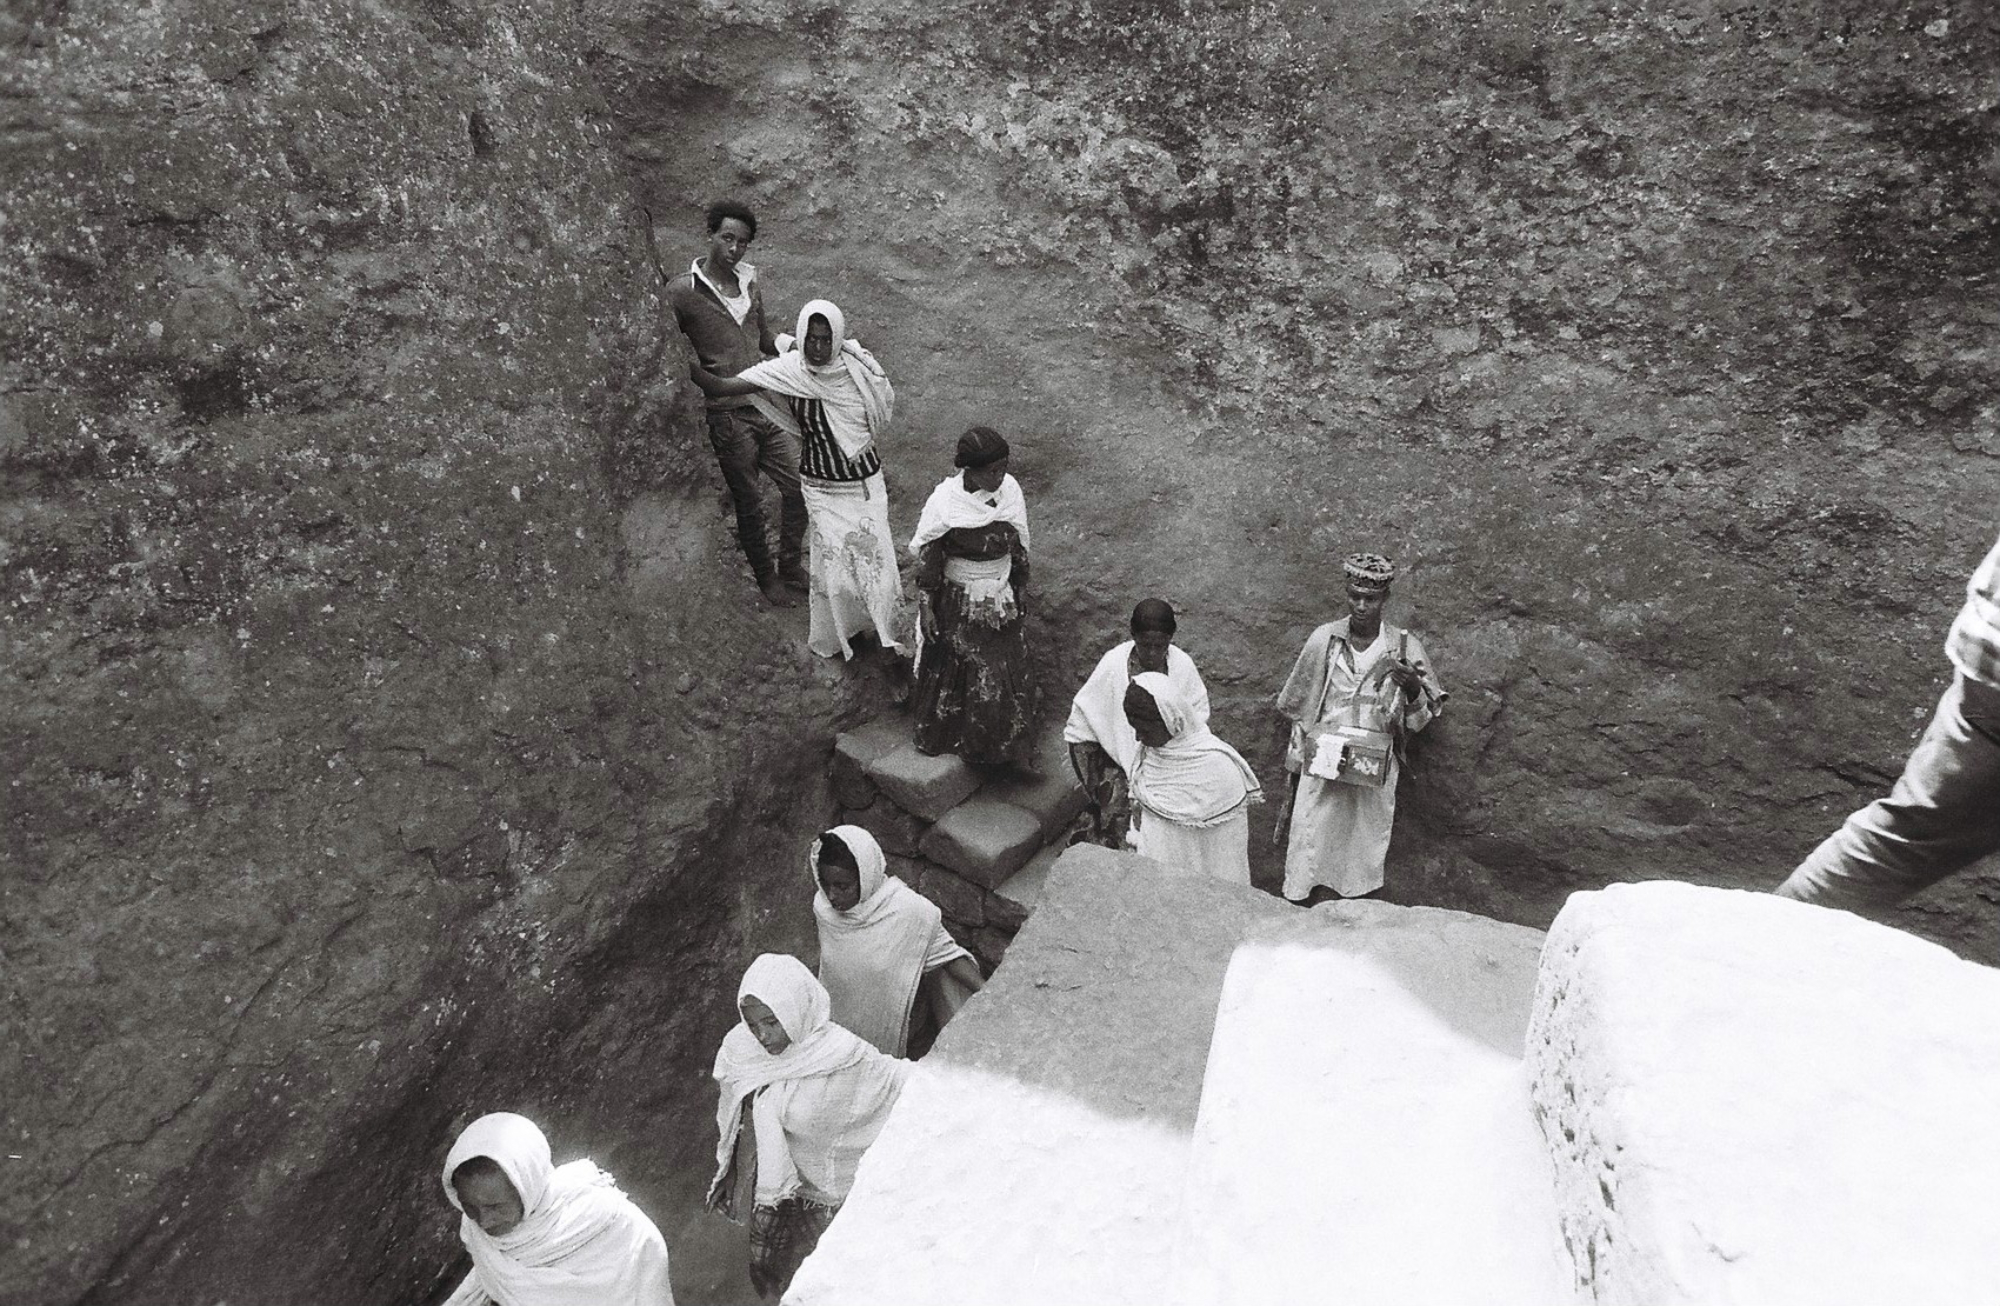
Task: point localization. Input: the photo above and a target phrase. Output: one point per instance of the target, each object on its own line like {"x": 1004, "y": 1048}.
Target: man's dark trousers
{"x": 746, "y": 442}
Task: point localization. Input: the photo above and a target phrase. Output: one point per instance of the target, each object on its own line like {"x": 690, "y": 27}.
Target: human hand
{"x": 927, "y": 621}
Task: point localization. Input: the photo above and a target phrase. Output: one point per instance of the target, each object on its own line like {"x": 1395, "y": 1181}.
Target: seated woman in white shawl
{"x": 815, "y": 1095}
{"x": 1102, "y": 747}
{"x": 882, "y": 944}
{"x": 543, "y": 1235}
{"x": 1193, "y": 792}
{"x": 837, "y": 400}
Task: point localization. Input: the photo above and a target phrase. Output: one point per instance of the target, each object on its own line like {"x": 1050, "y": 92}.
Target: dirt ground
{"x": 396, "y": 733}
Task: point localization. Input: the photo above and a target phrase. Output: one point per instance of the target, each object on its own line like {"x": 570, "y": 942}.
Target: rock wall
{"x": 1657, "y": 345}
{"x": 393, "y": 734}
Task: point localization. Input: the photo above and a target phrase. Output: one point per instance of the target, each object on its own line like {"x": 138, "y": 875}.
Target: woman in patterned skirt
{"x": 975, "y": 692}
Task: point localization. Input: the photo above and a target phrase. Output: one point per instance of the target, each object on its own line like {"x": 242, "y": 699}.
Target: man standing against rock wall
{"x": 1359, "y": 688}
{"x": 1944, "y": 813}
{"x": 720, "y": 309}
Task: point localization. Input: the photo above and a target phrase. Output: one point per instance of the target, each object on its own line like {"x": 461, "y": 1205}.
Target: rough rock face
{"x": 392, "y": 737}
{"x": 1658, "y": 347}
{"x": 1748, "y": 1099}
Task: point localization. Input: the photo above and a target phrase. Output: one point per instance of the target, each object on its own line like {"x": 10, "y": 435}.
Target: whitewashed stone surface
{"x": 1365, "y": 1134}
{"x": 1754, "y": 1101}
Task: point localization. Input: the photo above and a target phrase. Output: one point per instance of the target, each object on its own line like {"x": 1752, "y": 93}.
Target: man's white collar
{"x": 745, "y": 274}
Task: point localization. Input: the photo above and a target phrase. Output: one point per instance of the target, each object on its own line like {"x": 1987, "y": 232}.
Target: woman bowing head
{"x": 1192, "y": 790}
{"x": 547, "y": 1235}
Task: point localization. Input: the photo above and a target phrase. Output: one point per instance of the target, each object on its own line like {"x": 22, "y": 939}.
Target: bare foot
{"x": 776, "y": 594}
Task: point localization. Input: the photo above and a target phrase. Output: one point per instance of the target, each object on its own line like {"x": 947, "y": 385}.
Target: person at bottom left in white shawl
{"x": 894, "y": 975}
{"x": 547, "y": 1235}
{"x": 814, "y": 1097}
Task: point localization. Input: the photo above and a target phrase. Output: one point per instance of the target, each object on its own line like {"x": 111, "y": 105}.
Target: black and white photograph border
{"x": 486, "y": 485}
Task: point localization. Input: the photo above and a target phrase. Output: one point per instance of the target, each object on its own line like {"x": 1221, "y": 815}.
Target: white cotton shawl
{"x": 872, "y": 958}
{"x": 581, "y": 1242}
{"x": 1194, "y": 779}
{"x": 818, "y": 1048}
{"x": 1098, "y": 713}
{"x": 853, "y": 389}
{"x": 952, "y": 506}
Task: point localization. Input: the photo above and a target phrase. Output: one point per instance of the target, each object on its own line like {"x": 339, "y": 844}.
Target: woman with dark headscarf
{"x": 975, "y": 692}
{"x": 837, "y": 399}
{"x": 541, "y": 1234}
{"x": 1102, "y": 747}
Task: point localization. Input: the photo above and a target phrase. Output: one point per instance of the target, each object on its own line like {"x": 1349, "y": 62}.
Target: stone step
{"x": 983, "y": 840}
{"x": 854, "y": 750}
{"x": 927, "y": 787}
{"x": 1051, "y": 794}
{"x": 961, "y": 901}
{"x": 899, "y": 832}
{"x": 1022, "y": 891}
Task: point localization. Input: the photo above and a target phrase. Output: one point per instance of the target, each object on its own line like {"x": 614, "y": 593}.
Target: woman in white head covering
{"x": 975, "y": 693}
{"x": 1192, "y": 791}
{"x": 881, "y": 943}
{"x": 816, "y": 1097}
{"x": 547, "y": 1235}
{"x": 1102, "y": 748}
{"x": 834, "y": 396}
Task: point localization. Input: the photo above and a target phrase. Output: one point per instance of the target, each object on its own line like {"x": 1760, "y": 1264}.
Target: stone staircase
{"x": 978, "y": 846}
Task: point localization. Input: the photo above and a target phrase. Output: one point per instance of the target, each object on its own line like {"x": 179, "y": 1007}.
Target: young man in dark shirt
{"x": 719, "y": 307}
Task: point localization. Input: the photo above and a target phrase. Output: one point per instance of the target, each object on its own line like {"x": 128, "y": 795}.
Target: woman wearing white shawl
{"x": 881, "y": 942}
{"x": 543, "y": 1235}
{"x": 816, "y": 1097}
{"x": 1193, "y": 790}
{"x": 1102, "y": 748}
{"x": 975, "y": 692}
{"x": 837, "y": 399}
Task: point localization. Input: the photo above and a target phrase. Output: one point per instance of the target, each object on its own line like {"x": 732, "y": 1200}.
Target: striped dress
{"x": 820, "y": 456}
{"x": 851, "y": 557}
